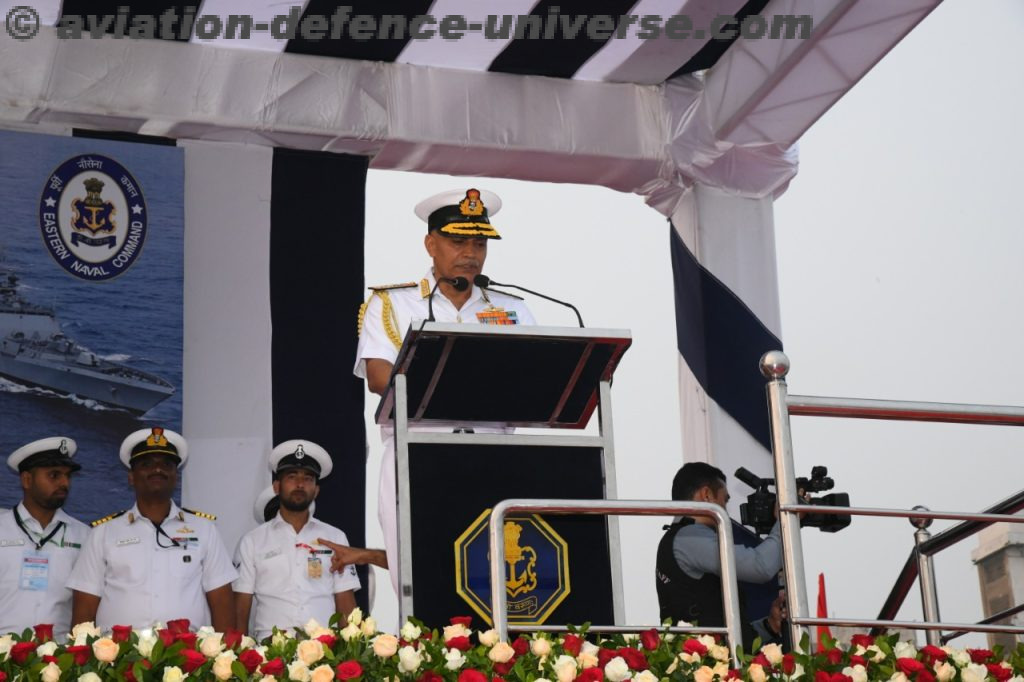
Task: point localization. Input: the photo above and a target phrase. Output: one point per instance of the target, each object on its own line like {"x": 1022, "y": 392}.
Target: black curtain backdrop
{"x": 316, "y": 288}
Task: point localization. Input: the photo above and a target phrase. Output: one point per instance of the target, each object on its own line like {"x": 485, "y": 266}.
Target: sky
{"x": 898, "y": 246}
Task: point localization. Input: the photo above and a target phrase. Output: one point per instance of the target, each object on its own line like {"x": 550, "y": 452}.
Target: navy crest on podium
{"x": 536, "y": 568}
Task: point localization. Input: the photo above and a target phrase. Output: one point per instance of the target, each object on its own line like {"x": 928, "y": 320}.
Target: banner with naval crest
{"x": 91, "y": 302}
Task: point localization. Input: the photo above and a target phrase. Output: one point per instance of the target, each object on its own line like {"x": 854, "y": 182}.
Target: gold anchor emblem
{"x": 525, "y": 581}
{"x": 92, "y": 213}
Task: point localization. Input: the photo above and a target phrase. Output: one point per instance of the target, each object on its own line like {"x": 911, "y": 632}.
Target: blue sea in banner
{"x": 133, "y": 320}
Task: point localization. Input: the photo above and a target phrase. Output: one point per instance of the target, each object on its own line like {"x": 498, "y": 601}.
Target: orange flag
{"x": 823, "y": 630}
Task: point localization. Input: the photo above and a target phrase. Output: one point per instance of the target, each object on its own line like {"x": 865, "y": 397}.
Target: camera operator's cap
{"x": 56, "y": 451}
{"x": 268, "y": 504}
{"x": 461, "y": 213}
{"x": 154, "y": 441}
{"x": 301, "y": 454}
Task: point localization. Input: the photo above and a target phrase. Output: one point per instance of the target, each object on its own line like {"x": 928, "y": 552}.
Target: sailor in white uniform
{"x": 155, "y": 561}
{"x": 458, "y": 232}
{"x": 39, "y": 541}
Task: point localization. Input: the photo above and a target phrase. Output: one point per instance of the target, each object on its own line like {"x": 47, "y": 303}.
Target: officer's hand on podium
{"x": 345, "y": 555}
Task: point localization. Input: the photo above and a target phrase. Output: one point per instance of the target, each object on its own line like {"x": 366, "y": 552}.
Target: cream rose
{"x": 703, "y": 674}
{"x": 368, "y": 626}
{"x": 6, "y": 642}
{"x": 46, "y": 649}
{"x": 616, "y": 670}
{"x": 454, "y": 659}
{"x": 104, "y": 649}
{"x": 410, "y": 631}
{"x": 212, "y": 645}
{"x": 268, "y": 678}
{"x": 312, "y": 627}
{"x": 944, "y": 672}
{"x": 51, "y": 673}
{"x": 453, "y": 631}
{"x": 350, "y": 631}
{"x": 385, "y": 645}
{"x": 773, "y": 652}
{"x": 898, "y": 677}
{"x": 974, "y": 672}
{"x": 756, "y": 672}
{"x": 565, "y": 668}
{"x": 645, "y": 676}
{"x": 857, "y": 673}
{"x": 309, "y": 651}
{"x": 904, "y": 650}
{"x": 586, "y": 660}
{"x": 540, "y": 647}
{"x": 173, "y": 673}
{"x": 720, "y": 652}
{"x": 355, "y": 616}
{"x": 876, "y": 654}
{"x": 489, "y": 637}
{"x": 321, "y": 673}
{"x": 83, "y": 631}
{"x": 222, "y": 665}
{"x": 501, "y": 652}
{"x": 298, "y": 671}
{"x": 409, "y": 660}
{"x": 721, "y": 669}
{"x": 89, "y": 677}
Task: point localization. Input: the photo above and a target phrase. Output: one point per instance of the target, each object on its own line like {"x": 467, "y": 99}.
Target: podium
{"x": 456, "y": 394}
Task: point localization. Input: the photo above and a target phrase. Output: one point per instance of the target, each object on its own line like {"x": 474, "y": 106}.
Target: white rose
{"x": 719, "y": 652}
{"x": 298, "y": 671}
{"x": 453, "y": 631}
{"x": 540, "y": 647}
{"x": 173, "y": 673}
{"x": 309, "y": 651}
{"x": 616, "y": 670}
{"x": 857, "y": 673}
{"x": 51, "y": 673}
{"x": 410, "y": 631}
{"x": 147, "y": 640}
{"x": 501, "y": 652}
{"x": 89, "y": 677}
{"x": 944, "y": 672}
{"x": 6, "y": 642}
{"x": 489, "y": 637}
{"x": 355, "y": 616}
{"x": 703, "y": 674}
{"x": 960, "y": 658}
{"x": 707, "y": 640}
{"x": 81, "y": 632}
{"x": 368, "y": 626}
{"x": 1016, "y": 678}
{"x": 46, "y": 649}
{"x": 349, "y": 631}
{"x": 247, "y": 643}
{"x": 974, "y": 672}
{"x": 904, "y": 650}
{"x": 385, "y": 646}
{"x": 798, "y": 671}
{"x": 756, "y": 672}
{"x": 686, "y": 657}
{"x": 898, "y": 677}
{"x": 268, "y": 678}
{"x": 104, "y": 649}
{"x": 311, "y": 626}
{"x": 279, "y": 638}
{"x": 590, "y": 648}
{"x": 645, "y": 676}
{"x": 322, "y": 673}
{"x": 721, "y": 669}
{"x": 211, "y": 645}
{"x": 773, "y": 652}
{"x": 565, "y": 668}
{"x": 453, "y": 659}
{"x": 222, "y": 665}
{"x": 876, "y": 654}
{"x": 409, "y": 660}
{"x": 672, "y": 666}
{"x": 630, "y": 637}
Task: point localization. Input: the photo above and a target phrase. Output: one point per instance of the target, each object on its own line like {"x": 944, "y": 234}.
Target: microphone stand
{"x": 485, "y": 282}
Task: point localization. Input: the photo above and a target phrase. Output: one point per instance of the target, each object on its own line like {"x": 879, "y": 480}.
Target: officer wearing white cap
{"x": 39, "y": 541}
{"x": 284, "y": 571}
{"x": 155, "y": 561}
{"x": 459, "y": 229}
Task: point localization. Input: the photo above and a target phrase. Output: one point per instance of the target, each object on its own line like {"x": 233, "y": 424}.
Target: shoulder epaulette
{"x": 389, "y": 287}
{"x": 109, "y": 517}
{"x": 202, "y": 515}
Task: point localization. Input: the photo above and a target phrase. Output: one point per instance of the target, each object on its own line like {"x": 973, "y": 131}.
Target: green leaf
{"x": 239, "y": 671}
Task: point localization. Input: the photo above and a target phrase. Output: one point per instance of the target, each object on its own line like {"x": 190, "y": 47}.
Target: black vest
{"x": 681, "y": 597}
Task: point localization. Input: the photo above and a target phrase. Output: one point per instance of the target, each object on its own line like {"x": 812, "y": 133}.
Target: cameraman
{"x": 688, "y": 571}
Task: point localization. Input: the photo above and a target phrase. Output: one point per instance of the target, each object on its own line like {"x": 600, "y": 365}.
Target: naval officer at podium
{"x": 458, "y": 232}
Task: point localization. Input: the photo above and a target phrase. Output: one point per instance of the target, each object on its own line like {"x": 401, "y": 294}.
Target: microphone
{"x": 458, "y": 283}
{"x": 484, "y": 282}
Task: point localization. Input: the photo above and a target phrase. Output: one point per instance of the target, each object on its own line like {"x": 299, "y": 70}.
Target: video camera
{"x": 758, "y": 511}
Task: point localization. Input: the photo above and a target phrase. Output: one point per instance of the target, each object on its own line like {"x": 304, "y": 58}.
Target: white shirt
{"x": 382, "y": 341}
{"x": 140, "y": 581}
{"x": 289, "y": 574}
{"x": 21, "y": 606}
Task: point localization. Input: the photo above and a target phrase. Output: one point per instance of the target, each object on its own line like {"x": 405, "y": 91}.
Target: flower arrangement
{"x": 359, "y": 652}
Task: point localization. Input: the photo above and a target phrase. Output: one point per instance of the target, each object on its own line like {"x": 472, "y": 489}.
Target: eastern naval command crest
{"x": 93, "y": 217}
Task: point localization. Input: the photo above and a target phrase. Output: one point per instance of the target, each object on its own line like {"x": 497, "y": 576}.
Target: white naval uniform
{"x": 139, "y": 581}
{"x": 289, "y": 574}
{"x": 33, "y": 582}
{"x": 406, "y": 305}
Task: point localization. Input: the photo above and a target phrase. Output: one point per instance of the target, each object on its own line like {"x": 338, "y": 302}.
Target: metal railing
{"x": 730, "y": 593}
{"x": 774, "y": 366}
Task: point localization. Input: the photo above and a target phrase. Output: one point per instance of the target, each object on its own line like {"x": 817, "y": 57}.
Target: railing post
{"x": 926, "y": 577}
{"x": 775, "y": 366}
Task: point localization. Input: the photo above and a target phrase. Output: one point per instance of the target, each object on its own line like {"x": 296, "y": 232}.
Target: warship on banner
{"x": 34, "y": 351}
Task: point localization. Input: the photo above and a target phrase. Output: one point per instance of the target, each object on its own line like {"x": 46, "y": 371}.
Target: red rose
{"x": 3, "y": 676}
{"x": 129, "y": 672}
{"x": 591, "y": 675}
{"x": 20, "y": 652}
{"x": 178, "y": 626}
{"x": 933, "y": 653}
{"x": 429, "y": 676}
{"x": 460, "y": 643}
{"x": 605, "y": 655}
{"x": 81, "y": 654}
{"x": 275, "y": 666}
{"x": 834, "y": 656}
{"x": 251, "y": 659}
{"x": 909, "y": 666}
{"x": 858, "y": 660}
{"x": 44, "y": 632}
{"x": 470, "y": 675}
{"x": 925, "y": 676}
{"x": 193, "y": 659}
{"x": 572, "y": 644}
{"x": 693, "y": 646}
{"x": 189, "y": 638}
{"x": 121, "y": 633}
{"x": 166, "y": 636}
{"x": 232, "y": 638}
{"x": 822, "y": 676}
{"x": 49, "y": 659}
{"x": 761, "y": 661}
{"x": 461, "y": 620}
{"x": 734, "y": 674}
{"x": 520, "y": 646}
{"x": 788, "y": 664}
{"x": 650, "y": 639}
{"x": 347, "y": 670}
{"x": 634, "y": 658}
{"x": 999, "y": 672}
{"x": 503, "y": 668}
{"x": 328, "y": 640}
{"x": 862, "y": 640}
{"x": 979, "y": 655}
{"x": 839, "y": 677}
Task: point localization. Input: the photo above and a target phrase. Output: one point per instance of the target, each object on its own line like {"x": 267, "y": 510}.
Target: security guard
{"x": 39, "y": 542}
{"x": 283, "y": 568}
{"x": 458, "y": 232}
{"x": 155, "y": 561}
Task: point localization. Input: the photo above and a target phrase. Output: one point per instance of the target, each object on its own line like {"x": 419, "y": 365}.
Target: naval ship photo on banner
{"x": 91, "y": 277}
